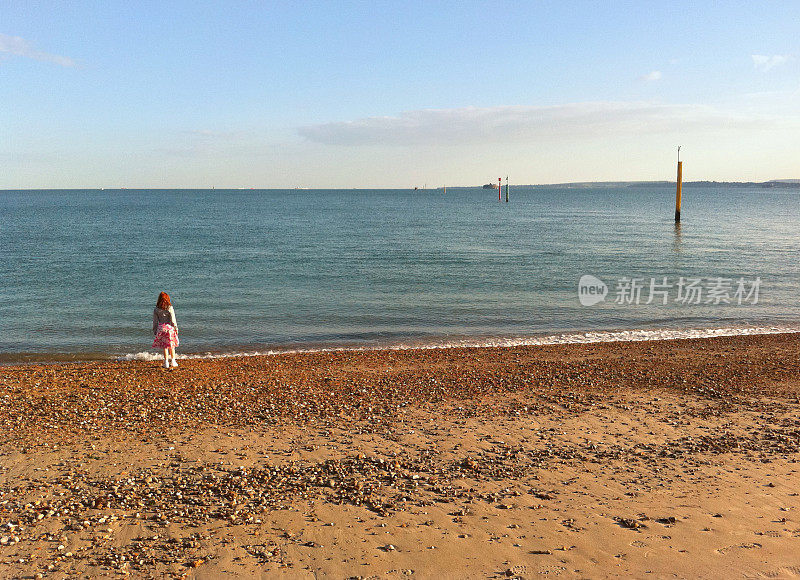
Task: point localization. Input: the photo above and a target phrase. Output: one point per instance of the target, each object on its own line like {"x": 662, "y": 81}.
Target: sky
{"x": 395, "y": 94}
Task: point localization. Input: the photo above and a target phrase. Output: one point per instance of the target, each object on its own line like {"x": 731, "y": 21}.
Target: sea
{"x": 258, "y": 271}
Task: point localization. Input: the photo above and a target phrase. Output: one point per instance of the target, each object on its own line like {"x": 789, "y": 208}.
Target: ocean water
{"x": 274, "y": 270}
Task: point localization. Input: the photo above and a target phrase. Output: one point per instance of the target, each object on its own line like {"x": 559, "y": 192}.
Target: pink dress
{"x": 166, "y": 337}
{"x": 165, "y": 327}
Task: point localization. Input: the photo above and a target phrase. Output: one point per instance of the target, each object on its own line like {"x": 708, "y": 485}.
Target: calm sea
{"x": 260, "y": 270}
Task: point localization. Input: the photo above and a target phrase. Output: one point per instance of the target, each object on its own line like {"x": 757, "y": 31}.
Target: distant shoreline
{"x": 772, "y": 184}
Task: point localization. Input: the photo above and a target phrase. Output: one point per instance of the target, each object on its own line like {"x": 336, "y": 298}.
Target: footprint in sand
{"x": 783, "y": 572}
{"x": 517, "y": 571}
{"x": 748, "y": 545}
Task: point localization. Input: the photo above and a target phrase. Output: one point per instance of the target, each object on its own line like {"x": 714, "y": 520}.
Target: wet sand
{"x": 648, "y": 460}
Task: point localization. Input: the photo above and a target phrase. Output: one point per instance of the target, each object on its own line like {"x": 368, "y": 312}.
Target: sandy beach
{"x": 644, "y": 459}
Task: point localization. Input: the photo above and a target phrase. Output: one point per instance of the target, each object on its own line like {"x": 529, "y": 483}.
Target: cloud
{"x": 765, "y": 63}
{"x": 17, "y": 46}
{"x": 477, "y": 125}
{"x": 652, "y": 76}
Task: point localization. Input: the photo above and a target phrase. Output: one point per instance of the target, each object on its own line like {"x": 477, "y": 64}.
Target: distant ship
{"x": 490, "y": 186}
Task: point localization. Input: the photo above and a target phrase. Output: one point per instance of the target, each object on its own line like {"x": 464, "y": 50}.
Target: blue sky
{"x": 391, "y": 94}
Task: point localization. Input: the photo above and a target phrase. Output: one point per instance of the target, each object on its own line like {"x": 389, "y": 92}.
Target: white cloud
{"x": 652, "y": 76}
{"x": 479, "y": 125}
{"x": 17, "y": 46}
{"x": 765, "y": 63}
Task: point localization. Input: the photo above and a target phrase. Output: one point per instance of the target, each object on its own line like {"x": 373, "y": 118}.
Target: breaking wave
{"x": 552, "y": 339}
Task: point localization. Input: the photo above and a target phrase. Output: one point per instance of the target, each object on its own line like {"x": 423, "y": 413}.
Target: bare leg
{"x": 172, "y": 352}
{"x": 166, "y": 356}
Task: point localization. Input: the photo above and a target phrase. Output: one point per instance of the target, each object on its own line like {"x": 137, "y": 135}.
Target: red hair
{"x": 163, "y": 301}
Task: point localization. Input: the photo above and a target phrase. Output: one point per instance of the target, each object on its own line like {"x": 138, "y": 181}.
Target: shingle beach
{"x": 641, "y": 459}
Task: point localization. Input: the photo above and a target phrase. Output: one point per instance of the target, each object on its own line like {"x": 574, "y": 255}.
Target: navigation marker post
{"x": 499, "y": 189}
{"x": 678, "y": 190}
{"x": 506, "y": 188}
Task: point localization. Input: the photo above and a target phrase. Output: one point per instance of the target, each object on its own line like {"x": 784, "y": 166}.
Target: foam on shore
{"x": 553, "y": 339}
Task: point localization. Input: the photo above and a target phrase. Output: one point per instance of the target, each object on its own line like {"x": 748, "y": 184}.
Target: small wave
{"x": 553, "y": 339}
{"x": 145, "y": 356}
{"x": 149, "y": 356}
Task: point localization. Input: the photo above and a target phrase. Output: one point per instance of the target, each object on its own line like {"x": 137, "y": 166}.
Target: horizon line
{"x": 784, "y": 182}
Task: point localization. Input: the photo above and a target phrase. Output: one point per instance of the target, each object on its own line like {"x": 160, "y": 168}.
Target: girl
{"x": 165, "y": 327}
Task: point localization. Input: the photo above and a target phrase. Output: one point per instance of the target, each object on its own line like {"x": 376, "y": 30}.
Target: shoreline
{"x": 633, "y": 459}
{"x": 543, "y": 339}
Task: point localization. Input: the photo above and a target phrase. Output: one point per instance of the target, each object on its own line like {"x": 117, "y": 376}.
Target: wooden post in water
{"x": 678, "y": 190}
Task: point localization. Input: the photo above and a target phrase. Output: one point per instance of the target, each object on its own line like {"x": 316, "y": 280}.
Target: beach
{"x": 651, "y": 459}
{"x": 293, "y": 291}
